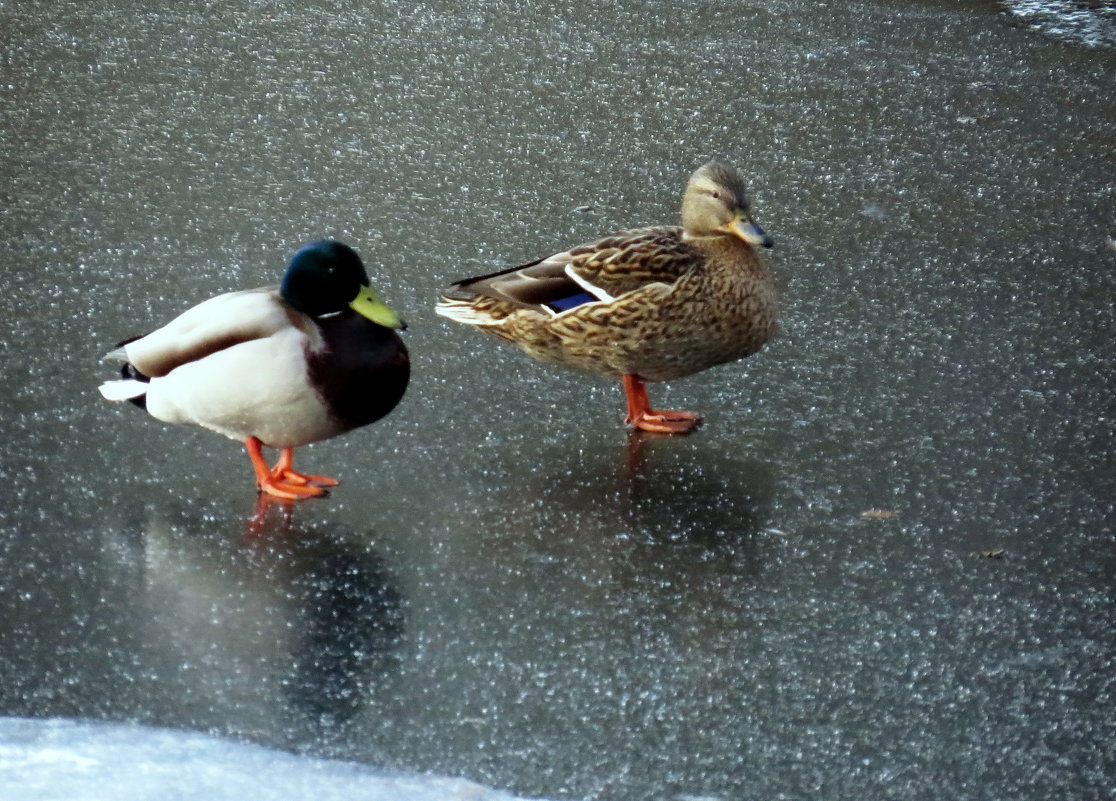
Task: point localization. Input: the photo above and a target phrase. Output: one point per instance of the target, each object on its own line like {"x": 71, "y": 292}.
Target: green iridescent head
{"x": 326, "y": 277}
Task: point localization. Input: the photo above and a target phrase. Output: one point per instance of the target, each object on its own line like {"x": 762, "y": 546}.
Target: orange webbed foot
{"x": 304, "y": 479}
{"x": 283, "y": 472}
{"x": 658, "y": 421}
{"x": 666, "y": 422}
{"x": 282, "y": 481}
{"x": 291, "y": 491}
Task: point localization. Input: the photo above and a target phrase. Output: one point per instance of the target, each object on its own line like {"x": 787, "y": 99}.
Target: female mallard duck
{"x": 278, "y": 366}
{"x": 649, "y": 304}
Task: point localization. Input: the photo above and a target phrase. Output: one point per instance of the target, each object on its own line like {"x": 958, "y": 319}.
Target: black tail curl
{"x": 128, "y": 370}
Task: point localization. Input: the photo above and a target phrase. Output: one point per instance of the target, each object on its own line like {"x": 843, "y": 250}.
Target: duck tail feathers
{"x": 463, "y": 311}
{"x": 123, "y": 389}
{"x": 131, "y": 386}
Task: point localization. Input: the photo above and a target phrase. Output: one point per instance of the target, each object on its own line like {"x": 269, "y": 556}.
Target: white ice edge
{"x": 74, "y": 760}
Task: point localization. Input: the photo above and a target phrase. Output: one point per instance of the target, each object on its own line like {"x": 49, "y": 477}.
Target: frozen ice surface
{"x": 67, "y": 760}
{"x": 1092, "y": 23}
{"x": 793, "y": 604}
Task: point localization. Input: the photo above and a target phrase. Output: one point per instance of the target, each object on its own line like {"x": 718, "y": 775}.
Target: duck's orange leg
{"x": 272, "y": 485}
{"x": 643, "y": 417}
{"x": 284, "y": 471}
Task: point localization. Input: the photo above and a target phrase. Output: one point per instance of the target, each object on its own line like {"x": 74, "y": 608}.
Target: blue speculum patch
{"x": 563, "y": 304}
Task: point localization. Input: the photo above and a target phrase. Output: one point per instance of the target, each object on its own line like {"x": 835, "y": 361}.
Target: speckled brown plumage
{"x": 652, "y": 303}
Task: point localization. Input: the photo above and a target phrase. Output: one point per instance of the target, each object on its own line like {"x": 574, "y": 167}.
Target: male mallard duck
{"x": 649, "y": 304}
{"x": 279, "y": 366}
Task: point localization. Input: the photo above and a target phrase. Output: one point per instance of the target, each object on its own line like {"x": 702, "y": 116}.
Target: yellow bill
{"x": 368, "y": 305}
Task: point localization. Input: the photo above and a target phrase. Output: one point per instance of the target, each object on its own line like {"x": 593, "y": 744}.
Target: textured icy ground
{"x": 882, "y": 570}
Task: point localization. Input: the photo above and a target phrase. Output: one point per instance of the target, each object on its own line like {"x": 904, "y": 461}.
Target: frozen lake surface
{"x": 1089, "y": 22}
{"x": 884, "y": 567}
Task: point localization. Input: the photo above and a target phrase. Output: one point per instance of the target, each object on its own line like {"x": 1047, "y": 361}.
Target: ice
{"x": 792, "y": 604}
{"x": 73, "y": 760}
{"x": 1093, "y": 24}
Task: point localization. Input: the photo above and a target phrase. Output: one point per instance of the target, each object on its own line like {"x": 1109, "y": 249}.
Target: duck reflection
{"x": 642, "y": 493}
{"x": 710, "y": 496}
{"x": 293, "y": 626}
{"x": 346, "y": 615}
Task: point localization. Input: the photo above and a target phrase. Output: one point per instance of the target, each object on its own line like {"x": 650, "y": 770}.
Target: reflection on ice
{"x": 307, "y": 608}
{"x": 86, "y": 761}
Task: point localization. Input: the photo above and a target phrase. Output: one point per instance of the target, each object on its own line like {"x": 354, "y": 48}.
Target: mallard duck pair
{"x": 319, "y": 355}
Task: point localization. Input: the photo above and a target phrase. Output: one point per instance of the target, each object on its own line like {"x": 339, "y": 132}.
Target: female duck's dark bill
{"x": 751, "y": 233}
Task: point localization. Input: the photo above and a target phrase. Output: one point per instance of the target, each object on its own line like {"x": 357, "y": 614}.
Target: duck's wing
{"x": 602, "y": 270}
{"x": 211, "y": 326}
{"x": 633, "y": 259}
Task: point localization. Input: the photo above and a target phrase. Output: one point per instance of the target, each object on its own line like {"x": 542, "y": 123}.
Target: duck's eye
{"x": 716, "y": 195}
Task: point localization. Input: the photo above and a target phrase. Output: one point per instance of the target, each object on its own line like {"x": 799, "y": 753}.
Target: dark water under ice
{"x": 883, "y": 569}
